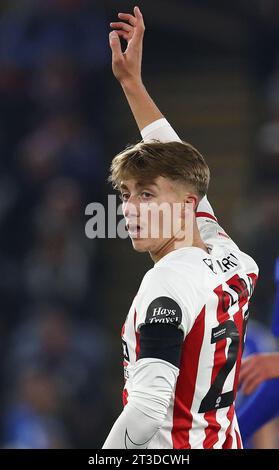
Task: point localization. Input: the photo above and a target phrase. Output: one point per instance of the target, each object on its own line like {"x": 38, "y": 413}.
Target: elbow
{"x": 153, "y": 406}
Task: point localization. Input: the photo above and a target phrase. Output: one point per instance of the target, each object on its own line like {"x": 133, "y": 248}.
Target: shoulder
{"x": 169, "y": 266}
{"x": 157, "y": 279}
{"x": 172, "y": 290}
{"x": 158, "y": 301}
{"x": 188, "y": 263}
{"x": 188, "y": 256}
{"x": 249, "y": 262}
{"x": 181, "y": 271}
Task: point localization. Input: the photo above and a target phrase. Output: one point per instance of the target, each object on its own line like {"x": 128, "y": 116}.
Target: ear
{"x": 189, "y": 203}
{"x": 192, "y": 200}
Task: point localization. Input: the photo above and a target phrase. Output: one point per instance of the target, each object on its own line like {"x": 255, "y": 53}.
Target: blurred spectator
{"x": 58, "y": 266}
{"x": 258, "y": 226}
{"x": 62, "y": 145}
{"x": 31, "y": 31}
{"x": 258, "y": 340}
{"x": 51, "y": 166}
{"x": 72, "y": 354}
{"x": 31, "y": 420}
{"x": 51, "y": 339}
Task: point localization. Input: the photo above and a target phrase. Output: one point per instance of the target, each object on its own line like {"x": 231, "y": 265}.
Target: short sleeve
{"x": 159, "y": 302}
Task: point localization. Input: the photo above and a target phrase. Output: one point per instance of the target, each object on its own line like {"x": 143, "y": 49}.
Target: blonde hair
{"x": 145, "y": 161}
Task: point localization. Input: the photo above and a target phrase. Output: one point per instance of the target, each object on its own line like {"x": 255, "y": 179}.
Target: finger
{"x": 247, "y": 374}
{"x": 249, "y": 359}
{"x": 139, "y": 28}
{"x": 243, "y": 375}
{"x": 123, "y": 34}
{"x": 127, "y": 17}
{"x": 121, "y": 25}
{"x": 138, "y": 13}
{"x": 250, "y": 377}
{"x": 246, "y": 369}
{"x": 250, "y": 386}
{"x": 247, "y": 378}
{"x": 115, "y": 45}
{"x": 247, "y": 364}
{"x": 245, "y": 361}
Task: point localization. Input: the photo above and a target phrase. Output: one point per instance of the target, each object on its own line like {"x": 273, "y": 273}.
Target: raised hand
{"x": 126, "y": 66}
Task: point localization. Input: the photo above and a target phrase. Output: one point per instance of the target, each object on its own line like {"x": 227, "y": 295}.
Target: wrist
{"x": 132, "y": 85}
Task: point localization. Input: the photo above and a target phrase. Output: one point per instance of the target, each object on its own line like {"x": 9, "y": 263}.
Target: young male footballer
{"x": 184, "y": 334}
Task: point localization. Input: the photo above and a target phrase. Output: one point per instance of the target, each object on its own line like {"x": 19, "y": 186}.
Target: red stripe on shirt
{"x": 213, "y": 428}
{"x": 238, "y": 319}
{"x": 186, "y": 383}
{"x": 125, "y": 397}
{"x": 125, "y": 363}
{"x": 222, "y": 234}
{"x": 238, "y": 440}
{"x": 243, "y": 299}
{"x": 206, "y": 215}
{"x": 254, "y": 278}
{"x": 229, "y": 440}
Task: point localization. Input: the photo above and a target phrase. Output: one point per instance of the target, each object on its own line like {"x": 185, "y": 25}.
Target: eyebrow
{"x": 140, "y": 185}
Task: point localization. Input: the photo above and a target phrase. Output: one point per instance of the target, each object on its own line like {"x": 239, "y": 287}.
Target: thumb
{"x": 115, "y": 45}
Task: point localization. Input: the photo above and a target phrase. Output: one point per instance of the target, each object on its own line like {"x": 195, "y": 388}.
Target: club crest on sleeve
{"x": 164, "y": 310}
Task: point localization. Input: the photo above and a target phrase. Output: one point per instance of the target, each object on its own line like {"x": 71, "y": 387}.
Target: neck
{"x": 175, "y": 243}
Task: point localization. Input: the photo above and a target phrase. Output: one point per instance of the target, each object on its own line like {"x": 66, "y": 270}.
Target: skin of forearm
{"x": 142, "y": 106}
{"x": 274, "y": 364}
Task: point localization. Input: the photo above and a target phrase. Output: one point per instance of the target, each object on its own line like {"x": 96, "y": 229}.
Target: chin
{"x": 141, "y": 246}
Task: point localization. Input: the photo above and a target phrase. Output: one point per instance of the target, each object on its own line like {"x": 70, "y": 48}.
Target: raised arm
{"x": 126, "y": 66}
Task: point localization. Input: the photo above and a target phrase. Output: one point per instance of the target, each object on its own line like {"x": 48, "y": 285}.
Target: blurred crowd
{"x": 266, "y": 233}
{"x": 257, "y": 222}
{"x": 53, "y": 57}
{"x": 54, "y": 345}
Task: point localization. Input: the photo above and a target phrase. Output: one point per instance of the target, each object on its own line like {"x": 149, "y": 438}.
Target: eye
{"x": 124, "y": 197}
{"x": 146, "y": 196}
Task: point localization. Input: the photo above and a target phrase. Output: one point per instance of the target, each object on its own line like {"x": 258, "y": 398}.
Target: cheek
{"x": 164, "y": 223}
{"x": 157, "y": 220}
{"x": 124, "y": 209}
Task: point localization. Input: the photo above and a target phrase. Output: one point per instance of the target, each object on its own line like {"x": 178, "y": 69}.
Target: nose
{"x": 131, "y": 207}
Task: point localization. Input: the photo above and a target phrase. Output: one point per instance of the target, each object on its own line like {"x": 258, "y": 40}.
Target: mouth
{"x": 134, "y": 230}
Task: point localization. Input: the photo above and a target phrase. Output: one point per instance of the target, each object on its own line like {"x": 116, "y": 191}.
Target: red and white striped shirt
{"x": 213, "y": 292}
